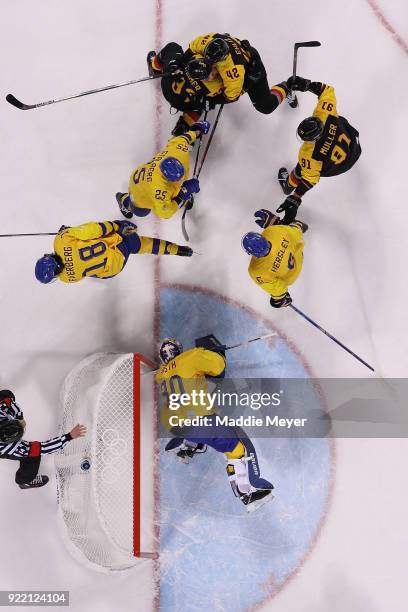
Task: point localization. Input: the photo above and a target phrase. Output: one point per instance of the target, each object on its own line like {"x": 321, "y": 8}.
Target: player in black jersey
{"x": 331, "y": 146}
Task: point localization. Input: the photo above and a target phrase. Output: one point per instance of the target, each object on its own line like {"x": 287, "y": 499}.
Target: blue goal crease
{"x": 213, "y": 553}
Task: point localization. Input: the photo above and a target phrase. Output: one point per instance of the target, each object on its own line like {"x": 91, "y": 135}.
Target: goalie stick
{"x": 310, "y": 43}
{"x": 21, "y": 106}
{"x": 227, "y": 348}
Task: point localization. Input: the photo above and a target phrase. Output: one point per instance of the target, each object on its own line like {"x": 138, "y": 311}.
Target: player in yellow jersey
{"x": 331, "y": 146}
{"x": 215, "y": 69}
{"x": 186, "y": 372}
{"x": 277, "y": 256}
{"x": 100, "y": 250}
{"x": 162, "y": 184}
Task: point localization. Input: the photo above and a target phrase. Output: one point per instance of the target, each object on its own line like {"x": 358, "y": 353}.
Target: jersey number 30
{"x": 173, "y": 386}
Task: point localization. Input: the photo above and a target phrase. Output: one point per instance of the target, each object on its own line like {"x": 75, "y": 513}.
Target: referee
{"x": 12, "y": 446}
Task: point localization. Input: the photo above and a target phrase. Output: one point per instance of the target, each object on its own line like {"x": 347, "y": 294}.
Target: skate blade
{"x": 257, "y": 504}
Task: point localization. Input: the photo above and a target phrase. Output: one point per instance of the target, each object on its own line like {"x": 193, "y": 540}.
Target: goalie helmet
{"x": 10, "y": 431}
{"x": 48, "y": 267}
{"x": 169, "y": 349}
{"x": 172, "y": 169}
{"x": 310, "y": 129}
{"x": 198, "y": 69}
{"x": 216, "y": 50}
{"x": 256, "y": 245}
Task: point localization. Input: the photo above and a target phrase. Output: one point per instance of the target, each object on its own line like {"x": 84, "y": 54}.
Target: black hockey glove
{"x": 289, "y": 207}
{"x": 264, "y": 218}
{"x": 184, "y": 251}
{"x": 209, "y": 104}
{"x": 63, "y": 228}
{"x": 298, "y": 83}
{"x": 173, "y": 66}
{"x": 281, "y": 302}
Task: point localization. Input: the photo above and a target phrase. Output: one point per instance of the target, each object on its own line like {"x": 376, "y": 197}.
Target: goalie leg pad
{"x": 244, "y": 478}
{"x": 254, "y": 473}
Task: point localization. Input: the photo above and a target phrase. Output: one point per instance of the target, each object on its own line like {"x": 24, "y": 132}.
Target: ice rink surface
{"x": 64, "y": 163}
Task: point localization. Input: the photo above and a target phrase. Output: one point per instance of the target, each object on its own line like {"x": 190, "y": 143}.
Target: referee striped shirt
{"x": 22, "y": 448}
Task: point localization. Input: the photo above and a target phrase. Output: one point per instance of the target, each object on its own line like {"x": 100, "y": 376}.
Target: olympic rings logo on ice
{"x": 114, "y": 457}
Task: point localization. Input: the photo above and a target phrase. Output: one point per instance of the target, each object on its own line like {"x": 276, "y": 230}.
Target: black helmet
{"x": 216, "y": 50}
{"x": 310, "y": 128}
{"x": 6, "y": 394}
{"x": 10, "y": 431}
{"x": 198, "y": 69}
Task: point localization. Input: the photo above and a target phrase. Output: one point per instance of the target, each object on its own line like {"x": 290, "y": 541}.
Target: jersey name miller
{"x": 330, "y": 139}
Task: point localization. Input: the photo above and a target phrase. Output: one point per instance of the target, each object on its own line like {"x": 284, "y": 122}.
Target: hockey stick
{"x": 183, "y": 225}
{"x": 199, "y": 146}
{"x": 209, "y": 140}
{"x": 183, "y": 218}
{"x": 20, "y": 105}
{"x": 302, "y": 314}
{"x": 38, "y": 234}
{"x": 227, "y": 348}
{"x": 310, "y": 43}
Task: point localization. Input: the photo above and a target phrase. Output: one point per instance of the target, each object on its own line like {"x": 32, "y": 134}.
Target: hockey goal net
{"x": 105, "y": 492}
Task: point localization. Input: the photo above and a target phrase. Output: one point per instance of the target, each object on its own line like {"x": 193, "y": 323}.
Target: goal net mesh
{"x": 95, "y": 474}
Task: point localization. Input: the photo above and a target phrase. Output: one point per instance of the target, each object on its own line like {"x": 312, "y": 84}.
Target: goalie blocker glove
{"x": 281, "y": 302}
{"x": 289, "y": 207}
{"x": 184, "y": 449}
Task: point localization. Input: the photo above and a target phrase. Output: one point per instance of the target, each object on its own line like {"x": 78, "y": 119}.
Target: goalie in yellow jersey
{"x": 162, "y": 184}
{"x": 184, "y": 374}
{"x": 331, "y": 146}
{"x": 98, "y": 250}
{"x": 215, "y": 69}
{"x": 277, "y": 255}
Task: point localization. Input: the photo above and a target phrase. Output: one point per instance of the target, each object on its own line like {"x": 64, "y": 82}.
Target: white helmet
{"x": 169, "y": 349}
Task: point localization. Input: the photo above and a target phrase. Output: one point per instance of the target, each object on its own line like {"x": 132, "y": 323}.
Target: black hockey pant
{"x": 28, "y": 469}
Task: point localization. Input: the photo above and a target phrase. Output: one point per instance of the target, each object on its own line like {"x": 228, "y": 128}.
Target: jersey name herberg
{"x": 69, "y": 264}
